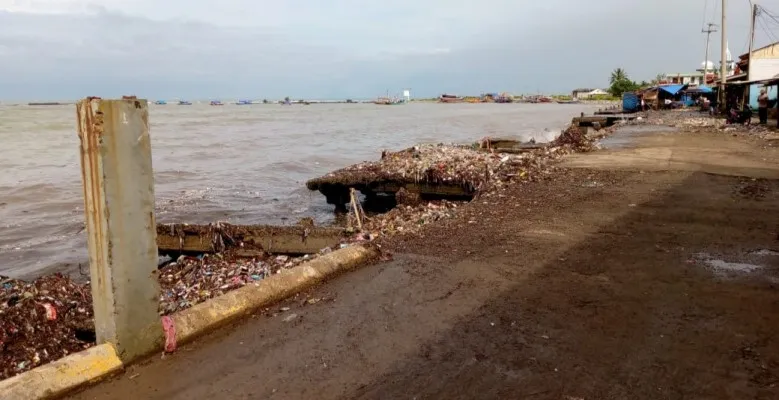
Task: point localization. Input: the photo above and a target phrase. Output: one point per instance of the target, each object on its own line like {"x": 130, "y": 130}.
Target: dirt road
{"x": 636, "y": 283}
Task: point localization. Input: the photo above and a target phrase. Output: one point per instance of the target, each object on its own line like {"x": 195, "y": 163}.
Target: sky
{"x": 335, "y": 49}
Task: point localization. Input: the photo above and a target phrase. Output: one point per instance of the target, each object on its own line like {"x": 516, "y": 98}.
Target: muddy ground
{"x": 596, "y": 284}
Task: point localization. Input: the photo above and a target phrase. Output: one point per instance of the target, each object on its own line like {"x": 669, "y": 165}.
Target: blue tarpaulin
{"x": 705, "y": 89}
{"x": 672, "y": 89}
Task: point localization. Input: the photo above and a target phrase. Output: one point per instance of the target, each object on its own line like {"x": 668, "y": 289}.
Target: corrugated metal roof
{"x": 672, "y": 89}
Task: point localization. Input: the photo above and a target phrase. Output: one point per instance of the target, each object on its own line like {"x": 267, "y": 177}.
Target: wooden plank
{"x": 293, "y": 240}
{"x": 423, "y": 188}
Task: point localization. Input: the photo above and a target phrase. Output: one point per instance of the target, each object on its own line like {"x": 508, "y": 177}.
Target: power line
{"x": 766, "y": 30}
{"x": 773, "y": 17}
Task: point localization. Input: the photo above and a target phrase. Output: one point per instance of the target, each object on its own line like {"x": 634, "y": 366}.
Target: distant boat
{"x": 244, "y": 102}
{"x": 504, "y": 98}
{"x": 450, "y": 98}
{"x": 388, "y": 101}
{"x": 160, "y": 102}
{"x": 185, "y": 103}
{"x": 216, "y": 103}
{"x": 567, "y": 101}
{"x": 539, "y": 99}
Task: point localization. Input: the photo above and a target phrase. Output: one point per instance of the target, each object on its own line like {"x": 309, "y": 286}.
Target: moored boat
{"x": 450, "y": 98}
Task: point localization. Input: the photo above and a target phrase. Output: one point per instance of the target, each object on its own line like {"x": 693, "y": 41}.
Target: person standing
{"x": 762, "y": 106}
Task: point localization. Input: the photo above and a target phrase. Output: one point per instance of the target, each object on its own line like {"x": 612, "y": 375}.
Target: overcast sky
{"x": 63, "y": 49}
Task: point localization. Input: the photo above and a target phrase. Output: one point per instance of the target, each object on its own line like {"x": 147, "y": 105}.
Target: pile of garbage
{"x": 466, "y": 166}
{"x": 440, "y": 164}
{"x": 407, "y": 218}
{"x": 42, "y": 321}
{"x": 192, "y": 280}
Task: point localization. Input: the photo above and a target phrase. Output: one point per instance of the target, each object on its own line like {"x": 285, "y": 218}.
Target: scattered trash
{"x": 42, "y": 321}
{"x": 51, "y": 312}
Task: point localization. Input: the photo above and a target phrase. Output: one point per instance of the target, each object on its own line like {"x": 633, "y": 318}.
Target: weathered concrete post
{"x": 116, "y": 170}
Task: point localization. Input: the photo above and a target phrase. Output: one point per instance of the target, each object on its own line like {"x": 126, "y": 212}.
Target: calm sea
{"x": 241, "y": 164}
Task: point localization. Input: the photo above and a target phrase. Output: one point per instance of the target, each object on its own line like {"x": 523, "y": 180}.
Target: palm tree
{"x": 618, "y": 75}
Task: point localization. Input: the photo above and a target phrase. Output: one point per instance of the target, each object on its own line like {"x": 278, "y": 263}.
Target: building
{"x": 694, "y": 78}
{"x": 765, "y": 67}
{"x": 581, "y": 94}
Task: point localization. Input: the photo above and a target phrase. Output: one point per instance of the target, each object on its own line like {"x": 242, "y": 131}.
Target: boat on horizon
{"x": 450, "y": 98}
{"x": 244, "y": 102}
{"x": 567, "y": 101}
{"x": 185, "y": 103}
{"x": 216, "y": 103}
{"x": 540, "y": 99}
{"x": 160, "y": 102}
{"x": 388, "y": 101}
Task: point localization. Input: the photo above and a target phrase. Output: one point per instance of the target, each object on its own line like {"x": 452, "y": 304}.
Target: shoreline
{"x": 554, "y": 280}
{"x": 231, "y": 271}
{"x": 222, "y": 272}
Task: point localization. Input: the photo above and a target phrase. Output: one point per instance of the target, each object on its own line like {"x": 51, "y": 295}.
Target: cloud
{"x": 341, "y": 48}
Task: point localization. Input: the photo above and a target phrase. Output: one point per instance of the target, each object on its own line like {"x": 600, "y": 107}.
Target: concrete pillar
{"x": 118, "y": 183}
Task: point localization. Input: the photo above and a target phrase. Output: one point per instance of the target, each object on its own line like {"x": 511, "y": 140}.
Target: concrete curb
{"x": 62, "y": 376}
{"x": 205, "y": 317}
{"x": 70, "y": 373}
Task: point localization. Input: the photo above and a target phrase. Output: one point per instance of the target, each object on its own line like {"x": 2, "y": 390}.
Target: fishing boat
{"x": 244, "y": 102}
{"x": 185, "y": 103}
{"x": 539, "y": 99}
{"x": 504, "y": 98}
{"x": 216, "y": 103}
{"x": 450, "y": 98}
{"x": 160, "y": 102}
{"x": 388, "y": 101}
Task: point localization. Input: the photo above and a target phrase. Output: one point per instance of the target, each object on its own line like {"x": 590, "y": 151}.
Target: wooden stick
{"x": 356, "y": 208}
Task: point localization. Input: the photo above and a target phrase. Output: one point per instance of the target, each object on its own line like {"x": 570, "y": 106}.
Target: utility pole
{"x": 723, "y": 68}
{"x": 751, "y": 41}
{"x": 708, "y": 31}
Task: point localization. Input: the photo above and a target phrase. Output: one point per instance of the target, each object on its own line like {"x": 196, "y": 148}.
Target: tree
{"x": 620, "y": 83}
{"x": 618, "y": 75}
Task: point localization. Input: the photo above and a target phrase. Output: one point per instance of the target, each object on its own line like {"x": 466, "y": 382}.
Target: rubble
{"x": 694, "y": 121}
